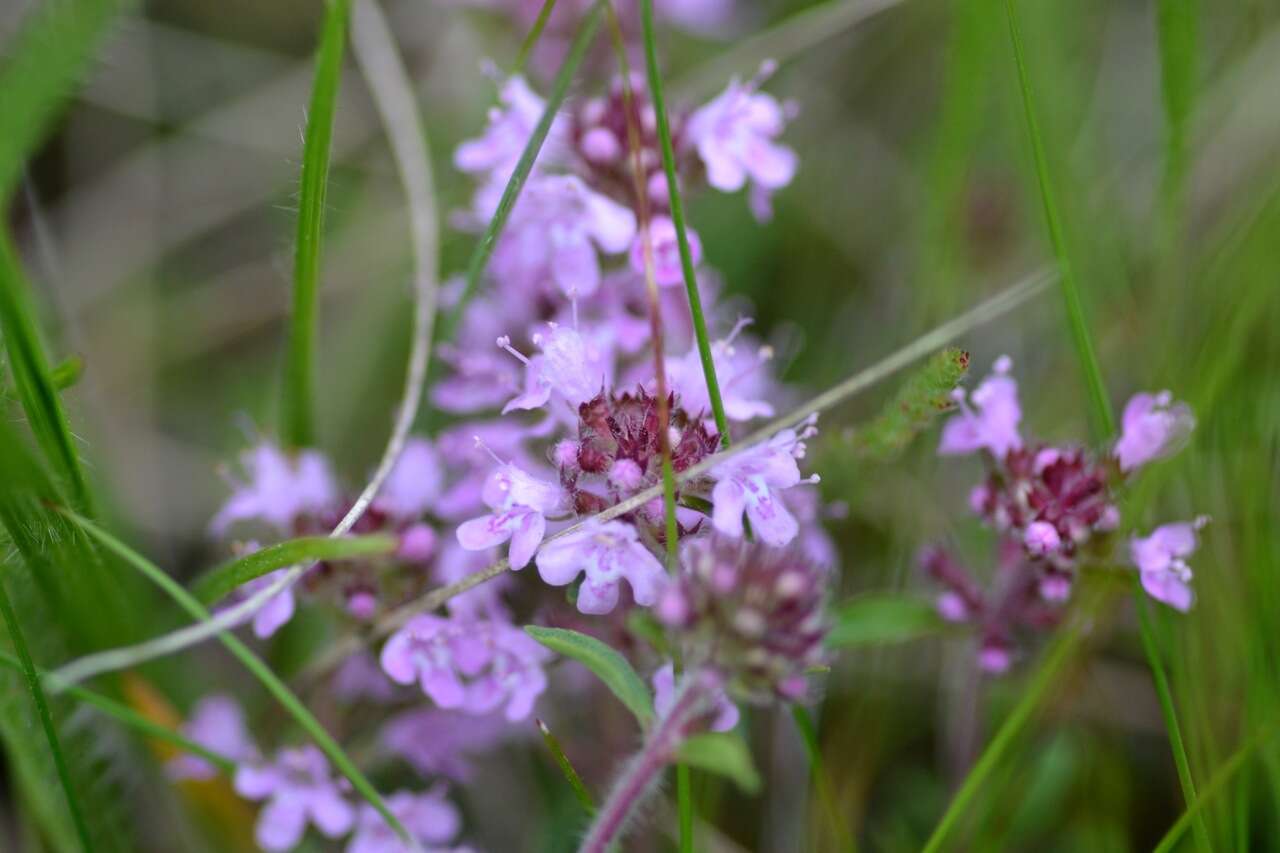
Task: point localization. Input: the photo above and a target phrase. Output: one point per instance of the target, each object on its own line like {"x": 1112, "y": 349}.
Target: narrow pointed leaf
{"x": 608, "y": 665}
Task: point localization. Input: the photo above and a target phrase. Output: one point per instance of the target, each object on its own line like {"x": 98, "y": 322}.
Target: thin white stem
{"x": 376, "y": 53}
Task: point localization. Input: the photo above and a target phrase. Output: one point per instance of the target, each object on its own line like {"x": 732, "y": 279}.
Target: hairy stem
{"x": 693, "y": 698}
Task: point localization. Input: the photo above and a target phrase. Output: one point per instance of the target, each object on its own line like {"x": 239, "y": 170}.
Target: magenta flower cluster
{"x": 1055, "y": 509}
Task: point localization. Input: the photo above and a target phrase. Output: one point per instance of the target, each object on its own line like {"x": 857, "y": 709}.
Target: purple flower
{"x": 734, "y": 136}
{"x": 751, "y": 483}
{"x": 608, "y": 552}
{"x": 554, "y": 233}
{"x": 299, "y": 789}
{"x": 360, "y": 678}
{"x": 280, "y": 489}
{"x": 415, "y": 482}
{"x": 276, "y": 612}
{"x": 475, "y": 666}
{"x": 667, "y": 268}
{"x": 664, "y": 694}
{"x": 744, "y": 386}
{"x": 992, "y": 422}
{"x": 439, "y": 742}
{"x": 1154, "y": 426}
{"x": 496, "y": 153}
{"x": 429, "y": 818}
{"x": 217, "y": 724}
{"x": 520, "y": 503}
{"x": 1161, "y": 559}
{"x": 571, "y": 366}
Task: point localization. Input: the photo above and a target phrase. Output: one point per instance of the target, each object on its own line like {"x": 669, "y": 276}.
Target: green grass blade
{"x": 46, "y": 718}
{"x": 47, "y": 60}
{"x": 817, "y": 769}
{"x": 1055, "y": 658}
{"x": 1177, "y": 38}
{"x": 256, "y": 666}
{"x": 535, "y": 33}
{"x": 678, "y": 218}
{"x": 1100, "y": 403}
{"x": 298, "y": 426}
{"x": 1101, "y": 414}
{"x": 566, "y": 767}
{"x": 33, "y": 379}
{"x": 128, "y": 716}
{"x": 1216, "y": 782}
{"x": 223, "y": 579}
{"x": 488, "y": 240}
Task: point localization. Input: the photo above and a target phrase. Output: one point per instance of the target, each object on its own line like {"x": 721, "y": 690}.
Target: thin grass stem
{"x": 566, "y": 768}
{"x": 535, "y": 33}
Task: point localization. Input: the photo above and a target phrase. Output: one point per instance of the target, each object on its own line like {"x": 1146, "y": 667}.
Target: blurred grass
{"x": 915, "y": 198}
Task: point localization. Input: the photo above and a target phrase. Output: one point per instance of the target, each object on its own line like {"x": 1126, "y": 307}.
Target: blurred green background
{"x": 156, "y": 225}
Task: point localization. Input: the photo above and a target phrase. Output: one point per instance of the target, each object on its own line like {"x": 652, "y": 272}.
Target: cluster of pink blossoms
{"x": 1054, "y": 509}
{"x": 557, "y": 416}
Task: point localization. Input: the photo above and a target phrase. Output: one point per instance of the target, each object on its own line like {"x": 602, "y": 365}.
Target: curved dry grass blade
{"x": 298, "y": 427}
{"x": 259, "y": 669}
{"x": 375, "y": 50}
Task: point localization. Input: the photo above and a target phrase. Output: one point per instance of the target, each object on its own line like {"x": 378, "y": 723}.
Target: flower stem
{"x": 677, "y": 218}
{"x": 694, "y": 697}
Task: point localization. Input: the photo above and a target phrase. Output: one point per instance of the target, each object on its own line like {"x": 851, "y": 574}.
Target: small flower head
{"x": 571, "y": 367}
{"x": 217, "y": 724}
{"x": 751, "y": 483}
{"x": 988, "y": 419}
{"x": 608, "y": 552}
{"x": 299, "y": 790}
{"x": 1161, "y": 559}
{"x": 734, "y": 135}
{"x": 280, "y": 489}
{"x": 753, "y": 612}
{"x": 474, "y": 666}
{"x": 1153, "y": 427}
{"x": 520, "y": 503}
{"x": 429, "y": 817}
{"x": 667, "y": 266}
{"x": 414, "y": 484}
{"x": 496, "y": 153}
{"x": 745, "y": 384}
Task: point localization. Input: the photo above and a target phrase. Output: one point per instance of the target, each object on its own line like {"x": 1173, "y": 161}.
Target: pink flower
{"x": 299, "y": 789}
{"x": 744, "y": 386}
{"x": 496, "y": 153}
{"x": 280, "y": 489}
{"x": 217, "y": 724}
{"x": 751, "y": 483}
{"x": 437, "y": 742}
{"x": 571, "y": 366}
{"x": 667, "y": 268}
{"x": 1153, "y": 427}
{"x": 415, "y": 482}
{"x": 664, "y": 694}
{"x": 608, "y": 552}
{"x": 1161, "y": 559}
{"x": 474, "y": 666}
{"x": 1041, "y": 538}
{"x": 734, "y": 136}
{"x": 429, "y": 818}
{"x": 520, "y": 503}
{"x": 992, "y": 422}
{"x": 554, "y": 233}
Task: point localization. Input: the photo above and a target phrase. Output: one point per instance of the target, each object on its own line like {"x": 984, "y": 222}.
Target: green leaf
{"x": 723, "y": 753}
{"x": 298, "y": 428}
{"x": 921, "y": 399}
{"x": 221, "y": 580}
{"x": 46, "y": 60}
{"x": 875, "y": 619}
{"x": 608, "y": 665}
